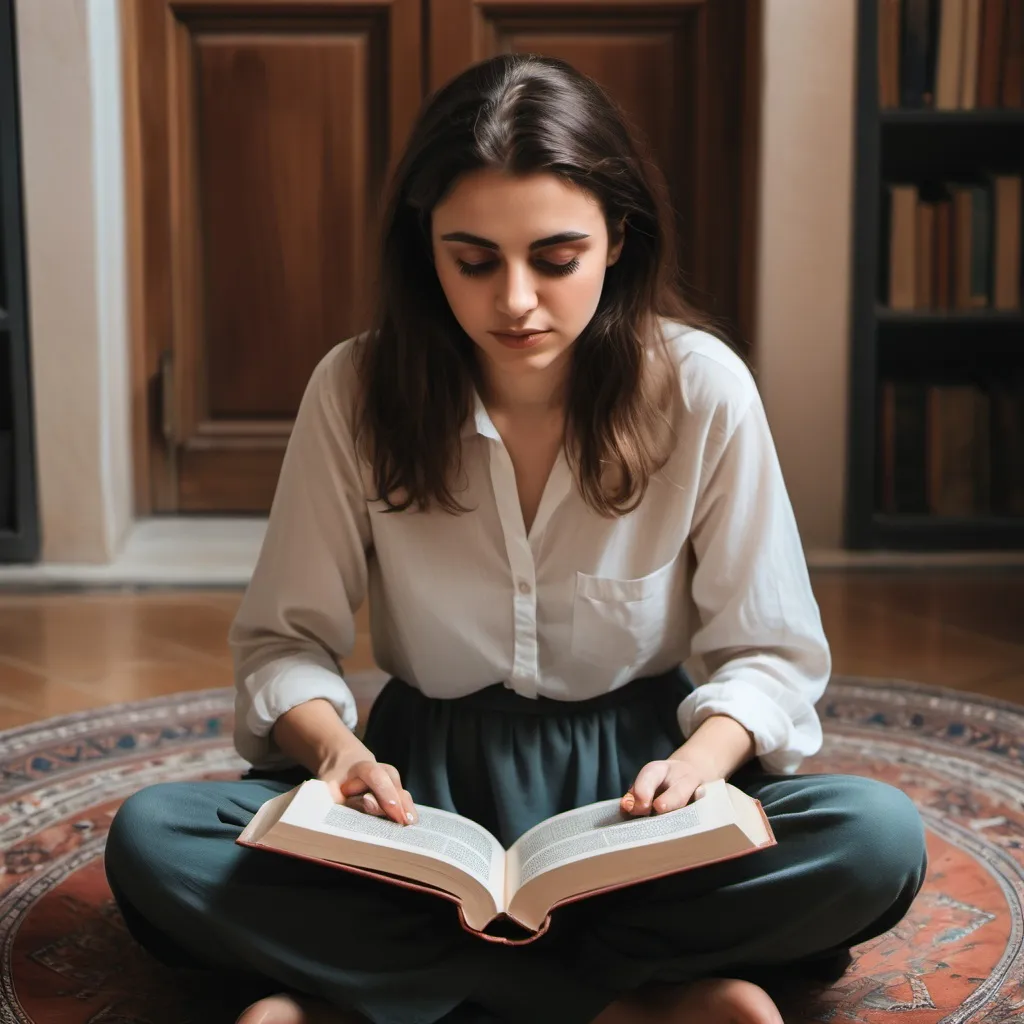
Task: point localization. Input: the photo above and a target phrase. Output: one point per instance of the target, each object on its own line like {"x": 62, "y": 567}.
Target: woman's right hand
{"x": 374, "y": 788}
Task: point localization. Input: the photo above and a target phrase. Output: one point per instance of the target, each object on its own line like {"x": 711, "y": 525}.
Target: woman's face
{"x": 521, "y": 254}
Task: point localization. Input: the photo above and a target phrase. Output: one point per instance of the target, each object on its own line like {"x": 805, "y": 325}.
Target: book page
{"x": 602, "y": 827}
{"x": 438, "y": 833}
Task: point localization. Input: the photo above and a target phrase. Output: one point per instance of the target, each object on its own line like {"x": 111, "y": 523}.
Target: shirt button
{"x": 524, "y": 588}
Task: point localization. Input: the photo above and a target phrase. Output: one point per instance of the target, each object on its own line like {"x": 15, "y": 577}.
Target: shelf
{"x": 948, "y": 145}
{"x": 958, "y": 317}
{"x": 972, "y": 343}
{"x": 982, "y": 347}
{"x": 931, "y": 532}
{"x": 996, "y": 118}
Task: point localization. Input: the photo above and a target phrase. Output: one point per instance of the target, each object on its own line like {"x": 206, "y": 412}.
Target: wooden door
{"x": 687, "y": 73}
{"x": 259, "y": 137}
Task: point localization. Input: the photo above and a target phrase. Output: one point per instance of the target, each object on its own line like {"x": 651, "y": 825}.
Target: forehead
{"x": 513, "y": 210}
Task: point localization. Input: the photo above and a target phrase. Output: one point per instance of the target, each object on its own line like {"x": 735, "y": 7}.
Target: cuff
{"x": 278, "y": 687}
{"x": 780, "y": 742}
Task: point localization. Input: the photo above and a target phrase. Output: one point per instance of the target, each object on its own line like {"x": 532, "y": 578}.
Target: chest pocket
{"x": 618, "y": 623}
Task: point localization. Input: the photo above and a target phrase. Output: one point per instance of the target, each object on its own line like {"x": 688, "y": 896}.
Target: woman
{"x": 555, "y": 492}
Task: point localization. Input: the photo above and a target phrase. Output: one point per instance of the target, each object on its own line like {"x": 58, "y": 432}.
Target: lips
{"x": 520, "y": 339}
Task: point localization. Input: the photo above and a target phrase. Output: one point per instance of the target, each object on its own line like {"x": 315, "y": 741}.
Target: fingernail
{"x": 392, "y": 802}
{"x": 409, "y": 817}
{"x": 628, "y": 801}
{"x": 698, "y": 792}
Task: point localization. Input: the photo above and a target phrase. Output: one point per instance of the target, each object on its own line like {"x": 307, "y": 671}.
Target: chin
{"x": 538, "y": 357}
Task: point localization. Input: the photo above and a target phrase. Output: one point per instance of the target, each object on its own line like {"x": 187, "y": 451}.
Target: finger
{"x": 386, "y": 792}
{"x": 411, "y": 814}
{"x": 676, "y": 796}
{"x": 335, "y": 791}
{"x": 650, "y": 778}
{"x": 354, "y": 786}
{"x": 365, "y": 804}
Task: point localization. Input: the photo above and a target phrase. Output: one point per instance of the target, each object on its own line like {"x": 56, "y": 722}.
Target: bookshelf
{"x": 19, "y": 533}
{"x": 899, "y": 349}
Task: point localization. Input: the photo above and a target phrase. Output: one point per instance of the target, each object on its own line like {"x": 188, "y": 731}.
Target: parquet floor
{"x": 66, "y": 651}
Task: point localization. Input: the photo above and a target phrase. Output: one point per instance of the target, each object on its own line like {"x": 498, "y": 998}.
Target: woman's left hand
{"x": 663, "y": 786}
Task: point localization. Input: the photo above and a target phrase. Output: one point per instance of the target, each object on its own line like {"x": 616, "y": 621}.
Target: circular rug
{"x": 66, "y": 958}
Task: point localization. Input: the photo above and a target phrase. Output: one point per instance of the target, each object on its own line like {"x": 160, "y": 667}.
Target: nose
{"x": 517, "y": 294}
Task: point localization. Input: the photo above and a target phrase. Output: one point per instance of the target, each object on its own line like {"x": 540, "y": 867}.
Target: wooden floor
{"x": 63, "y": 652}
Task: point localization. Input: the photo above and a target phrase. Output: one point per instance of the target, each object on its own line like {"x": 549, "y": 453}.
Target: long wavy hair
{"x": 520, "y": 114}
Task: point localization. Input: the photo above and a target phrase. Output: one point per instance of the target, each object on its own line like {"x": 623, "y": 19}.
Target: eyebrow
{"x": 541, "y": 243}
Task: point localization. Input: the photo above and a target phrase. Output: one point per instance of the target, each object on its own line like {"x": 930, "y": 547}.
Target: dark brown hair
{"x": 520, "y": 114}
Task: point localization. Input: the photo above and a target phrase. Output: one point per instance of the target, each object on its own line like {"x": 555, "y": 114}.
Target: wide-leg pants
{"x": 849, "y": 861}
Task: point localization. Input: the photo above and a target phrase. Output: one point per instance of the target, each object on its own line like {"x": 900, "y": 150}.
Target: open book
{"x": 579, "y": 853}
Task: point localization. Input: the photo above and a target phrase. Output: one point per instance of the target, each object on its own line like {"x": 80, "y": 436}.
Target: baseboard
{"x": 221, "y": 552}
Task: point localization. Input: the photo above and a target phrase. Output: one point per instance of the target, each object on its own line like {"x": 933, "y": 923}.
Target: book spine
{"x": 886, "y": 499}
{"x": 990, "y": 55}
{"x": 981, "y": 246}
{"x": 888, "y": 54}
{"x": 950, "y": 55}
{"x": 1013, "y": 55}
{"x": 1007, "y": 426}
{"x": 955, "y": 449}
{"x": 969, "y": 66}
{"x": 943, "y": 288}
{"x": 910, "y": 483}
{"x": 1006, "y": 262}
{"x": 925, "y": 256}
{"x": 902, "y": 246}
{"x": 915, "y": 87}
{"x": 982, "y": 451}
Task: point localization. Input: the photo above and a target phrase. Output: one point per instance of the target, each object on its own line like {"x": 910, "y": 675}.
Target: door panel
{"x": 282, "y": 162}
{"x": 277, "y": 123}
{"x": 686, "y": 74}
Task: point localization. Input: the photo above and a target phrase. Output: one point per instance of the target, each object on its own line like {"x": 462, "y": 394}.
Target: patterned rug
{"x": 65, "y": 957}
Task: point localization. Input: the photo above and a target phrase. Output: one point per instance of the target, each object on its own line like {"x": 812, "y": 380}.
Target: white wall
{"x": 803, "y": 293}
{"x": 74, "y": 200}
{"x": 69, "y": 70}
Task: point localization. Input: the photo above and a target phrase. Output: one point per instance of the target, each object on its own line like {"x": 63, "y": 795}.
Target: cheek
{"x": 579, "y": 293}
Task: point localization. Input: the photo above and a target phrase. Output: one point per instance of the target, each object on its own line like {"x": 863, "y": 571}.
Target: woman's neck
{"x": 526, "y": 395}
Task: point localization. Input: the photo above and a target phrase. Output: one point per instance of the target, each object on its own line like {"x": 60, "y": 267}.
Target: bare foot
{"x": 708, "y": 1001}
{"x": 283, "y": 1009}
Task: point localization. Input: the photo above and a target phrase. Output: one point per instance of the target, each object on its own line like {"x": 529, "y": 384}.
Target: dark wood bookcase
{"x": 19, "y": 531}
{"x": 909, "y": 145}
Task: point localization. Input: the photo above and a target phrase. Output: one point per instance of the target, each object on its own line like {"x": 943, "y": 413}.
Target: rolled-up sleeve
{"x": 760, "y": 638}
{"x": 296, "y": 620}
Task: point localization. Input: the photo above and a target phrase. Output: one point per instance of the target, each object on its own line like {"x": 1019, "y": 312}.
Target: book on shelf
{"x": 568, "y": 857}
{"x": 970, "y": 54}
{"x": 954, "y": 245}
{"x": 950, "y": 54}
{"x": 951, "y": 449}
{"x": 1007, "y": 431}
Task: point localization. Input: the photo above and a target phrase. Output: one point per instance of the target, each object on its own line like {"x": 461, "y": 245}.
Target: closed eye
{"x": 544, "y": 266}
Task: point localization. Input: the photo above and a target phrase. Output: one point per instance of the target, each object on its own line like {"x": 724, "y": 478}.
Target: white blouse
{"x": 708, "y": 572}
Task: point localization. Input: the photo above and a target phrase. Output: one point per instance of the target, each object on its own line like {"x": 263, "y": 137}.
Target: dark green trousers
{"x": 849, "y": 861}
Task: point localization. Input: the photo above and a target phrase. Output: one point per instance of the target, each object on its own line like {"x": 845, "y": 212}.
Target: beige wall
{"x": 804, "y": 252}
{"x": 74, "y": 227}
{"x": 70, "y": 95}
